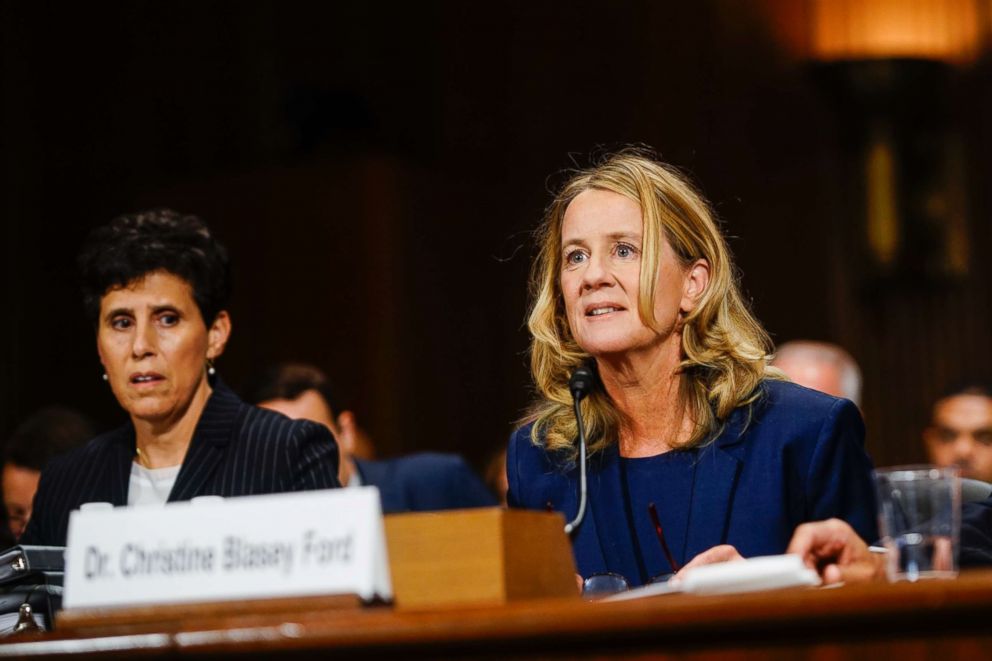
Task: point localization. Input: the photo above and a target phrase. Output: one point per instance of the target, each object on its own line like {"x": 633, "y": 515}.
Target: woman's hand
{"x": 722, "y": 553}
{"x": 836, "y": 552}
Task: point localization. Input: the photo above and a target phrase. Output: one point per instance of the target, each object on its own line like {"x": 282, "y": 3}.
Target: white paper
{"x": 770, "y": 572}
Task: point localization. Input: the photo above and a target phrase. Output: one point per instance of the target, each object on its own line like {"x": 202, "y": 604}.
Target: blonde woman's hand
{"x": 722, "y": 553}
{"x": 836, "y": 552}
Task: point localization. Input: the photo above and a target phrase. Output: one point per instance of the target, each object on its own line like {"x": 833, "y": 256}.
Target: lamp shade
{"x": 867, "y": 29}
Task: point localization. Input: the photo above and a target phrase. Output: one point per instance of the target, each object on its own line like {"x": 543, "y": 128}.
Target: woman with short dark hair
{"x": 156, "y": 288}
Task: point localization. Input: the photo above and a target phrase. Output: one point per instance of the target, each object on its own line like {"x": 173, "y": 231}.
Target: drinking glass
{"x": 920, "y": 521}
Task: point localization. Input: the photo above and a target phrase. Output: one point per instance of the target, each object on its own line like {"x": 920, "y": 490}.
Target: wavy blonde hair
{"x": 724, "y": 348}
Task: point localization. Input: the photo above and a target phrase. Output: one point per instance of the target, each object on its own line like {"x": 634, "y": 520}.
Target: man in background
{"x": 820, "y": 366}
{"x": 417, "y": 483}
{"x": 495, "y": 475}
{"x": 46, "y": 434}
{"x": 960, "y": 430}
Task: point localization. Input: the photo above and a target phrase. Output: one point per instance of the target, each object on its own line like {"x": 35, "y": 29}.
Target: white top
{"x": 150, "y": 486}
{"x": 355, "y": 480}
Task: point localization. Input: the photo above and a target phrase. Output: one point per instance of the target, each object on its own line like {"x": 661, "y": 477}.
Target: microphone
{"x": 580, "y": 385}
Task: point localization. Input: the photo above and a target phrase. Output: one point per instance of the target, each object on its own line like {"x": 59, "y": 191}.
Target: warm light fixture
{"x": 868, "y": 29}
{"x": 889, "y": 65}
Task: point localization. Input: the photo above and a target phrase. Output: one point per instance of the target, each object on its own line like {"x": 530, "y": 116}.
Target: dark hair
{"x": 980, "y": 387}
{"x": 289, "y": 381}
{"x": 48, "y": 433}
{"x": 131, "y": 246}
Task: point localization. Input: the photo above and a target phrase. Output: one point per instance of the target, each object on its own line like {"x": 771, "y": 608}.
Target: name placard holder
{"x": 286, "y": 545}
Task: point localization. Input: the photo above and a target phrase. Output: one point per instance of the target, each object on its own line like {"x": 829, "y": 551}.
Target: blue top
{"x": 666, "y": 481}
{"x": 795, "y": 455}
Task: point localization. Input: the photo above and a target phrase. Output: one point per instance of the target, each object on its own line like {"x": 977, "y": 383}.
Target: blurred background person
{"x": 496, "y": 475}
{"x": 47, "y": 433}
{"x": 821, "y": 366}
{"x": 689, "y": 432}
{"x": 960, "y": 430}
{"x": 419, "y": 482}
{"x": 156, "y": 288}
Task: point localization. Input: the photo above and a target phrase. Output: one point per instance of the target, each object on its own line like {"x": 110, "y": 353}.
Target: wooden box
{"x": 477, "y": 557}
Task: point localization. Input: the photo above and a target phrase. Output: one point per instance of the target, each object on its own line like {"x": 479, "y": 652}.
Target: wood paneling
{"x": 377, "y": 168}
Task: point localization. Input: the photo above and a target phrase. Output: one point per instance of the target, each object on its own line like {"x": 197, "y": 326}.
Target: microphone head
{"x": 581, "y": 382}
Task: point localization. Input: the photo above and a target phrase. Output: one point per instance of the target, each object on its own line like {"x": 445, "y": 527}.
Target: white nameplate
{"x": 306, "y": 543}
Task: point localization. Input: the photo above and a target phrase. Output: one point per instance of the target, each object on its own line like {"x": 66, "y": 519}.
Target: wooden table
{"x": 935, "y": 620}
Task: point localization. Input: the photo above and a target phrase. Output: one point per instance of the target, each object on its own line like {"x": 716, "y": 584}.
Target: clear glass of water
{"x": 920, "y": 521}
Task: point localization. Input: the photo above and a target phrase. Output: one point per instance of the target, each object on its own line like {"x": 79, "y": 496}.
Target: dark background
{"x": 375, "y": 169}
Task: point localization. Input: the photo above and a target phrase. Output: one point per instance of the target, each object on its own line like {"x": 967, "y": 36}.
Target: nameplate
{"x": 307, "y": 543}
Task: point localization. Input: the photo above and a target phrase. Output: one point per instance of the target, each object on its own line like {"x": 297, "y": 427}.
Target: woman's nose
{"x": 596, "y": 273}
{"x": 144, "y": 340}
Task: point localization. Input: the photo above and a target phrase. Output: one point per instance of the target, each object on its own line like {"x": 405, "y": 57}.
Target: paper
{"x": 771, "y": 572}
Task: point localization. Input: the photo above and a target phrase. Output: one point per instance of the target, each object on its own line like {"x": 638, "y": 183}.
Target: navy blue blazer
{"x": 425, "y": 482}
{"x": 976, "y": 534}
{"x": 796, "y": 455}
{"x": 236, "y": 450}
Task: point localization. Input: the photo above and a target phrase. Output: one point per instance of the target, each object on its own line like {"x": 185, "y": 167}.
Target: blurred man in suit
{"x": 46, "y": 434}
{"x": 820, "y": 366}
{"x": 418, "y": 482}
{"x": 960, "y": 430}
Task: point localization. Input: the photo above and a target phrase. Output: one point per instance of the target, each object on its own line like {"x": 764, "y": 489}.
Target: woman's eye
{"x": 120, "y": 323}
{"x": 575, "y": 257}
{"x": 625, "y": 251}
{"x": 169, "y": 319}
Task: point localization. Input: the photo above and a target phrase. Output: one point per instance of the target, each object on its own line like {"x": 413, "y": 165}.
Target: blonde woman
{"x": 695, "y": 444}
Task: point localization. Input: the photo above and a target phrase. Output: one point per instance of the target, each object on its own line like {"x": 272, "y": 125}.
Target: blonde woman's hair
{"x": 724, "y": 348}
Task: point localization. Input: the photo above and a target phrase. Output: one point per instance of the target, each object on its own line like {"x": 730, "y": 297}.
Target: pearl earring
{"x": 105, "y": 377}
{"x": 210, "y": 367}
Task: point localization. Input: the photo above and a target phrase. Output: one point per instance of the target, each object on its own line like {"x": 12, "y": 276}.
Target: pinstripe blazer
{"x": 236, "y": 450}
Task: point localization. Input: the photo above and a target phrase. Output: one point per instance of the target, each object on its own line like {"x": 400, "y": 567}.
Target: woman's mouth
{"x": 145, "y": 378}
{"x": 600, "y": 310}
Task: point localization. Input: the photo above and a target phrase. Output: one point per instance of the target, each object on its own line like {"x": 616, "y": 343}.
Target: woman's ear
{"x": 347, "y": 432}
{"x": 217, "y": 334}
{"x": 697, "y": 279}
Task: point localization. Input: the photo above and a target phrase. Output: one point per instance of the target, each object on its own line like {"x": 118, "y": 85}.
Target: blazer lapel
{"x": 208, "y": 445}
{"x": 719, "y": 465}
{"x": 609, "y": 525}
{"x": 119, "y": 465}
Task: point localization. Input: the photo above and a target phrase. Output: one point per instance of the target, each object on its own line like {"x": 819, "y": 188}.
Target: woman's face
{"x": 600, "y": 278}
{"x": 154, "y": 345}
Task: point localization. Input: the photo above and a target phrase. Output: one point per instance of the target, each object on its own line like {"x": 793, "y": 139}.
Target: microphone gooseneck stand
{"x": 580, "y": 384}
